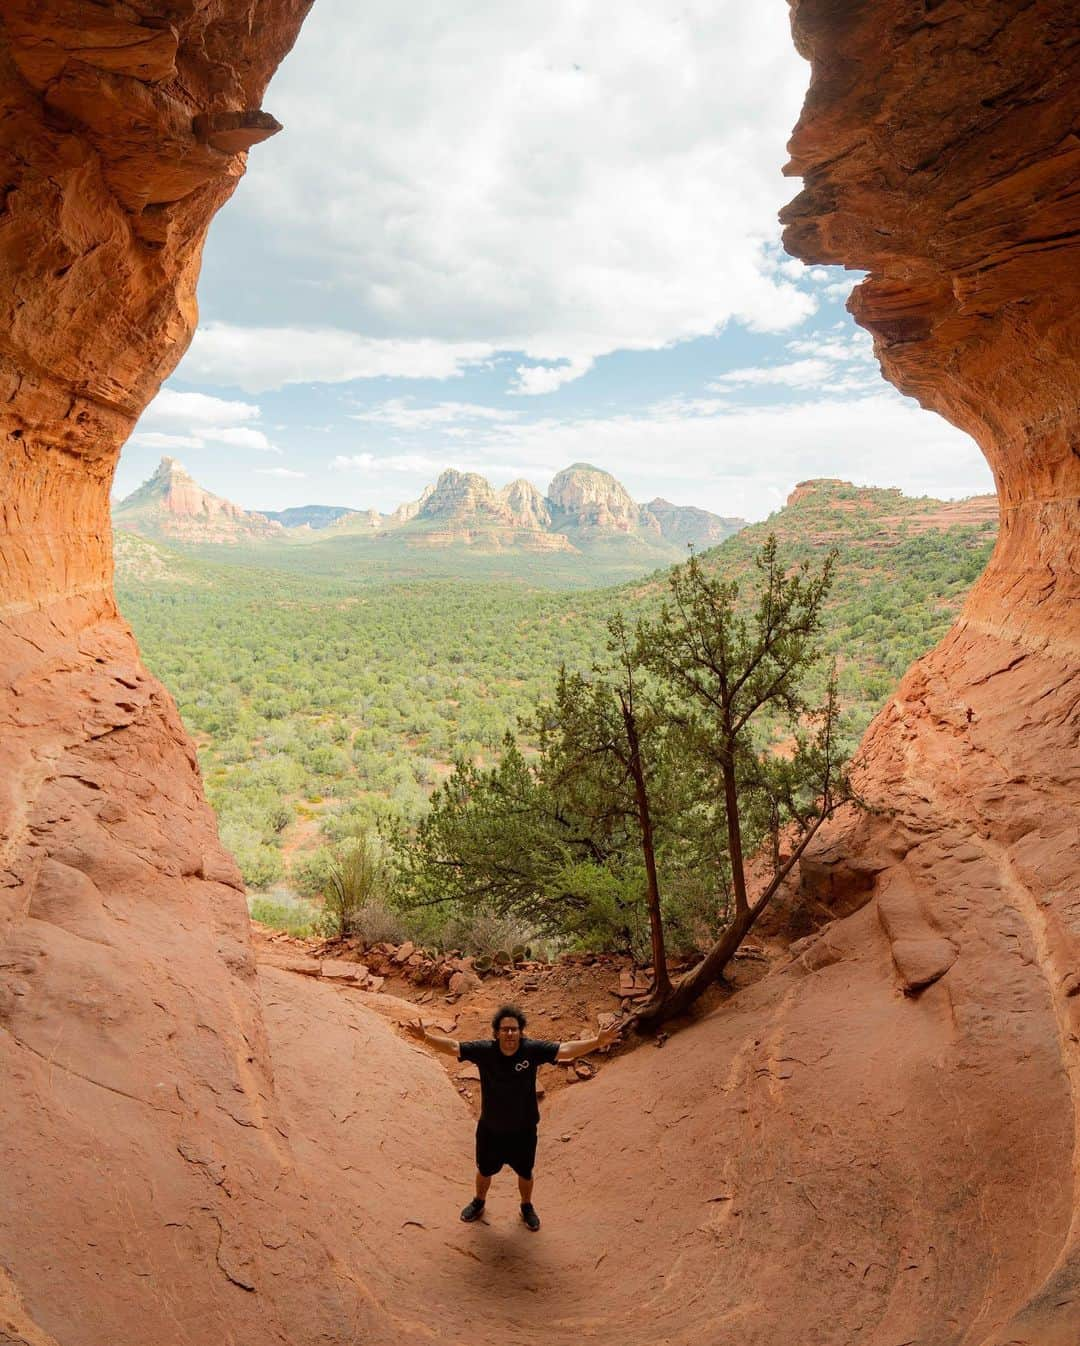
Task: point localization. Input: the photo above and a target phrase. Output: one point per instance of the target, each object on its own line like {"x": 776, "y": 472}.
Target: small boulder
{"x": 921, "y": 962}
{"x": 307, "y": 967}
{"x": 340, "y": 969}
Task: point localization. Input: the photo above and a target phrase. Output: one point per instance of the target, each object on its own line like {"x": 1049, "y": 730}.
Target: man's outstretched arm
{"x": 441, "y": 1043}
{"x": 570, "y": 1051}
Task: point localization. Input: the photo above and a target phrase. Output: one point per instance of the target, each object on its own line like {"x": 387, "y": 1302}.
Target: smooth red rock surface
{"x": 191, "y": 1153}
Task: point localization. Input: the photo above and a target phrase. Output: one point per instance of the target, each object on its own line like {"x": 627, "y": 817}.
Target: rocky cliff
{"x": 688, "y": 526}
{"x": 463, "y": 509}
{"x": 948, "y": 174}
{"x": 147, "y": 1188}
{"x": 460, "y": 509}
{"x": 583, "y": 498}
{"x": 463, "y": 495}
{"x": 889, "y": 1147}
{"x": 404, "y": 513}
{"x": 528, "y": 508}
{"x": 173, "y": 506}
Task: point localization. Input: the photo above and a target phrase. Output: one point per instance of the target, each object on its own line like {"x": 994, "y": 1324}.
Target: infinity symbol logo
{"x": 522, "y": 1065}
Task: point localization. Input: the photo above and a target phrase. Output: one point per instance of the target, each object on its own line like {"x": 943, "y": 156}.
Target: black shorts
{"x": 495, "y": 1148}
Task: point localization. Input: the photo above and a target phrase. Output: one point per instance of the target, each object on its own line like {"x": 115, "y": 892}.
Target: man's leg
{"x": 475, "y": 1208}
{"x": 526, "y": 1157}
{"x": 486, "y": 1158}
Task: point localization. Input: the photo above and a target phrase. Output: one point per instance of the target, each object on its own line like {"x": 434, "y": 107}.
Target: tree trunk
{"x": 734, "y": 831}
{"x": 661, "y": 981}
{"x": 694, "y": 983}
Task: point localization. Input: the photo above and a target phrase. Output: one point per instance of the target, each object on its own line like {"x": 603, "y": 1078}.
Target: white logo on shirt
{"x": 522, "y": 1065}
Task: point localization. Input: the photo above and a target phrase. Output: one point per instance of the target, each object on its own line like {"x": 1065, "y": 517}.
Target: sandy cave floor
{"x": 731, "y": 1187}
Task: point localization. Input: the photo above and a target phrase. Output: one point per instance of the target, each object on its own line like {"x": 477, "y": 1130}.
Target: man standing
{"x": 509, "y": 1116}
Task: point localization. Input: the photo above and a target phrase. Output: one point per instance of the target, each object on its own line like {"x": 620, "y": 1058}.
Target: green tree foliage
{"x": 727, "y": 670}
{"x": 605, "y": 755}
{"x": 492, "y": 840}
{"x": 268, "y": 666}
{"x": 654, "y": 765}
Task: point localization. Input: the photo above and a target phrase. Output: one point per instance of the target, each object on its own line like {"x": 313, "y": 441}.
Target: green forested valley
{"x": 321, "y": 703}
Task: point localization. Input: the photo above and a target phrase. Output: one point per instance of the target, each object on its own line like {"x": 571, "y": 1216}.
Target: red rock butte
{"x": 876, "y": 1144}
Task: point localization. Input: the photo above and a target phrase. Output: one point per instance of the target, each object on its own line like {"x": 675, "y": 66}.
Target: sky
{"x": 505, "y": 238}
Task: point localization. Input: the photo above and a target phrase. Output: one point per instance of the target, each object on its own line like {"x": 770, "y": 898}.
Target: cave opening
{"x": 832, "y": 1160}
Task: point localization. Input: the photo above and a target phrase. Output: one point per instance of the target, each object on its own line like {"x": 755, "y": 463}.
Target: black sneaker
{"x": 529, "y": 1215}
{"x": 473, "y": 1210}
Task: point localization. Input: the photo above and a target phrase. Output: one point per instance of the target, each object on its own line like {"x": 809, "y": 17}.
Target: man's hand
{"x": 570, "y": 1051}
{"x": 441, "y": 1043}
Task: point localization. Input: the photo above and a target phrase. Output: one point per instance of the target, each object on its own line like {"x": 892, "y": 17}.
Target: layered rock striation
{"x": 583, "y": 498}
{"x": 464, "y": 509}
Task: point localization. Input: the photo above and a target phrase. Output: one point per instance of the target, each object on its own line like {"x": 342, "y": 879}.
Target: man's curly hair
{"x": 507, "y": 1012}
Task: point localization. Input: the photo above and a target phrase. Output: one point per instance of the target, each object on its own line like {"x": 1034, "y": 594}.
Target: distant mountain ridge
{"x": 585, "y": 508}
{"x": 310, "y": 516}
{"x": 172, "y": 505}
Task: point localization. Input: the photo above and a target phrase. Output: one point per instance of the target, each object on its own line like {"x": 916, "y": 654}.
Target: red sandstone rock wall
{"x": 146, "y": 1183}
{"x": 938, "y": 147}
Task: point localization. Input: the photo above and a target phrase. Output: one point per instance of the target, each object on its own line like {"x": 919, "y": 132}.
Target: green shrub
{"x": 298, "y": 918}
{"x": 484, "y": 933}
{"x": 357, "y": 876}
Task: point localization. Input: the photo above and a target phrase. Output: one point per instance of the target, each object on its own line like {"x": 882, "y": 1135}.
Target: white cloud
{"x": 536, "y": 379}
{"x": 258, "y": 359}
{"x": 796, "y": 374}
{"x": 531, "y": 200}
{"x": 740, "y": 460}
{"x": 156, "y": 439}
{"x": 278, "y": 472}
{"x": 851, "y": 346}
{"x": 236, "y": 436}
{"x": 402, "y": 414}
{"x": 410, "y": 464}
{"x": 831, "y": 363}
{"x": 196, "y": 420}
{"x": 242, "y": 437}
{"x": 195, "y": 409}
{"x": 690, "y": 406}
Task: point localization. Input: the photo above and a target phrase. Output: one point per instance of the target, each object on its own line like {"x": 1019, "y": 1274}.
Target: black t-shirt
{"x": 508, "y": 1083}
